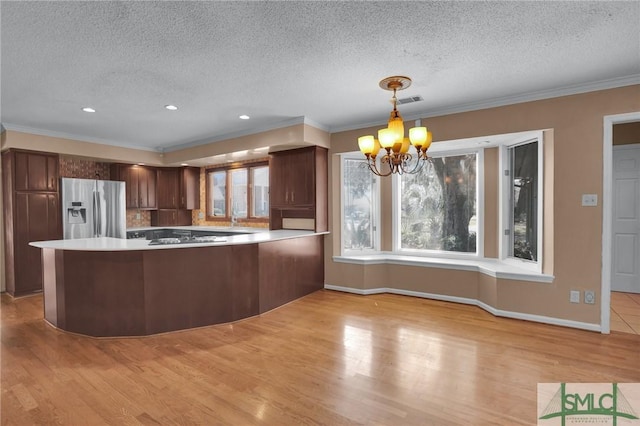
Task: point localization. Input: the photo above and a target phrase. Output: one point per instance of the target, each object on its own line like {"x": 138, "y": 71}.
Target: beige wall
{"x": 277, "y": 139}
{"x": 572, "y": 233}
{"x": 106, "y": 153}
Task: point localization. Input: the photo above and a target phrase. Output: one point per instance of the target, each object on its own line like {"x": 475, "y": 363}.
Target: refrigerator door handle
{"x": 99, "y": 216}
{"x": 95, "y": 219}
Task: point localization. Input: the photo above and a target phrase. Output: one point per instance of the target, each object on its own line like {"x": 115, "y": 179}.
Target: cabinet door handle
{"x": 293, "y": 197}
{"x": 286, "y": 196}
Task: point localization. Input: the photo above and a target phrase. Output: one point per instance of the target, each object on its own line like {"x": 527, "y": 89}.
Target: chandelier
{"x": 396, "y": 146}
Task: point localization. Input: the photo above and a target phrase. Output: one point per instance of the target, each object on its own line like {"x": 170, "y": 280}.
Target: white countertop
{"x": 118, "y": 244}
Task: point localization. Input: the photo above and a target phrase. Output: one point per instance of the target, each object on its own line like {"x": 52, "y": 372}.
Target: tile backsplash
{"x": 133, "y": 221}
{"x": 72, "y": 167}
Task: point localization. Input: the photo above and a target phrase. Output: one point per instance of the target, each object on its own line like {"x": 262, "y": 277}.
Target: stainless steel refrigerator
{"x": 93, "y": 208}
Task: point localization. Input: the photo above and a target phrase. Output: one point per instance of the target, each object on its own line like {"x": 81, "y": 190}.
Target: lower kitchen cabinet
{"x": 148, "y": 291}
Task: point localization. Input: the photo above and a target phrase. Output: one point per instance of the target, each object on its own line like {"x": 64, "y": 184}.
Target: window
{"x": 248, "y": 195}
{"x": 260, "y": 191}
{"x": 359, "y": 206}
{"x": 439, "y": 212}
{"x": 437, "y": 208}
{"x": 239, "y": 199}
{"x": 522, "y": 204}
{"x": 217, "y": 183}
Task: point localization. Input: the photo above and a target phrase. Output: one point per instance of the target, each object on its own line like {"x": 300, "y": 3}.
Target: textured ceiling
{"x": 279, "y": 61}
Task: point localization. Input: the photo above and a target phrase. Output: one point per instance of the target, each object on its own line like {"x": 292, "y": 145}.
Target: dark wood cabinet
{"x": 35, "y": 171}
{"x": 179, "y": 188}
{"x": 167, "y": 189}
{"x": 142, "y": 292}
{"x": 189, "y": 188}
{"x": 140, "y": 184}
{"x": 31, "y": 207}
{"x": 298, "y": 187}
{"x": 171, "y": 217}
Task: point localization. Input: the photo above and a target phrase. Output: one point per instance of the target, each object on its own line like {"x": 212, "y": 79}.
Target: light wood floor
{"x": 625, "y": 312}
{"x": 330, "y": 358}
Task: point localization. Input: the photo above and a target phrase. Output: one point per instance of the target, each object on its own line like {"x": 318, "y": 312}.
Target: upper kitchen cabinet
{"x": 171, "y": 217}
{"x": 35, "y": 171}
{"x": 168, "y": 184}
{"x": 298, "y": 189}
{"x": 179, "y": 188}
{"x": 189, "y": 188}
{"x": 140, "y": 183}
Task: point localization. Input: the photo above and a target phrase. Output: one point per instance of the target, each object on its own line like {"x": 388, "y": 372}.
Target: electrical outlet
{"x": 589, "y": 200}
{"x": 574, "y": 296}
{"x": 590, "y": 297}
{"x": 138, "y": 216}
{"x": 200, "y": 215}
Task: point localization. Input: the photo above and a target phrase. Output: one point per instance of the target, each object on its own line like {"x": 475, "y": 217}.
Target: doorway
{"x": 608, "y": 217}
{"x": 625, "y": 267}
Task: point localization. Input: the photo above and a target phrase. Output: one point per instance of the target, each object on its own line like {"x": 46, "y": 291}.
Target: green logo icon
{"x": 566, "y": 404}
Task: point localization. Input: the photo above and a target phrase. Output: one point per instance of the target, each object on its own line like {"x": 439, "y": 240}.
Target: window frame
{"x": 505, "y": 203}
{"x": 228, "y": 193}
{"x": 375, "y": 207}
{"x": 396, "y": 209}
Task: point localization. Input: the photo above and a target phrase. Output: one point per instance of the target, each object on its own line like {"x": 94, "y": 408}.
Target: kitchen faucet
{"x": 234, "y": 220}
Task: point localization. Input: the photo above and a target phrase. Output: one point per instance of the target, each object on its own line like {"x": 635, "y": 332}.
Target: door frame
{"x": 607, "y": 213}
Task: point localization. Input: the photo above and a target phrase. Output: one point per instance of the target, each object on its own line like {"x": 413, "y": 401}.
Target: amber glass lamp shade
{"x": 396, "y": 126}
{"x": 387, "y": 137}
{"x": 427, "y": 144}
{"x": 365, "y": 143}
{"x": 405, "y": 146}
{"x": 368, "y": 145}
{"x": 418, "y": 136}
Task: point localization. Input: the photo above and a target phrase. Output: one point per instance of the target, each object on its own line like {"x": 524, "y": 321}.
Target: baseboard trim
{"x": 468, "y": 301}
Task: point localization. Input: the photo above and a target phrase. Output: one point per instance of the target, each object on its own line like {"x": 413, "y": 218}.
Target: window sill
{"x": 491, "y": 267}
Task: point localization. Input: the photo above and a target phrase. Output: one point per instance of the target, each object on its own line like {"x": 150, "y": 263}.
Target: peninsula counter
{"x": 108, "y": 287}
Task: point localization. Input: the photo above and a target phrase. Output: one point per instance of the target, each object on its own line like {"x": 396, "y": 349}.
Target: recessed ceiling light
{"x": 171, "y": 107}
{"x": 88, "y": 109}
{"x": 244, "y": 117}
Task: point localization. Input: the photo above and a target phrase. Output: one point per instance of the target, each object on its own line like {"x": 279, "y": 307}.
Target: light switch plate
{"x": 574, "y": 296}
{"x": 589, "y": 200}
